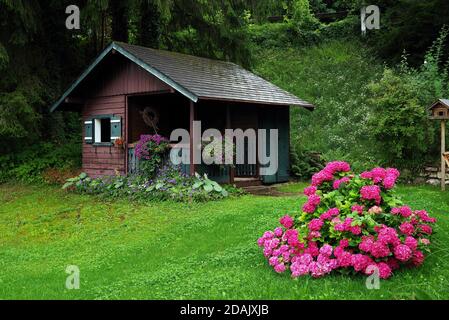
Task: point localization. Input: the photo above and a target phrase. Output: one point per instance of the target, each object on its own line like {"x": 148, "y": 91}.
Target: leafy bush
{"x": 30, "y": 164}
{"x": 18, "y": 119}
{"x": 272, "y": 35}
{"x": 305, "y": 163}
{"x": 334, "y": 77}
{"x": 302, "y": 17}
{"x": 350, "y": 223}
{"x": 301, "y": 34}
{"x": 169, "y": 184}
{"x": 150, "y": 149}
{"x": 399, "y": 124}
{"x": 59, "y": 176}
{"x": 333, "y": 6}
{"x": 346, "y": 28}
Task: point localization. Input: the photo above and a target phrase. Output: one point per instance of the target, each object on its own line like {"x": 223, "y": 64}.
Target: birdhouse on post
{"x": 440, "y": 111}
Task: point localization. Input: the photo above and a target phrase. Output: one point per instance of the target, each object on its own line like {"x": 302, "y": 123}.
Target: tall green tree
{"x": 149, "y": 23}
{"x": 213, "y": 28}
{"x": 119, "y": 10}
{"x": 408, "y": 25}
{"x": 94, "y": 23}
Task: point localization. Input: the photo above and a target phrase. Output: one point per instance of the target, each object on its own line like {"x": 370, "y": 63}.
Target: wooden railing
{"x": 133, "y": 161}
{"x": 215, "y": 172}
{"x": 246, "y": 170}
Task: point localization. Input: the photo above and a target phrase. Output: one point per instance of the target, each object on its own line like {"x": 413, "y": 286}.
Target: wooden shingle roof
{"x": 200, "y": 78}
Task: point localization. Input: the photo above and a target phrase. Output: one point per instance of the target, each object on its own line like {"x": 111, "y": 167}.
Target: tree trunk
{"x": 119, "y": 10}
{"x": 149, "y": 24}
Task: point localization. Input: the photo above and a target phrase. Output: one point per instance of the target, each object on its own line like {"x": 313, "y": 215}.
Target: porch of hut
{"x": 174, "y": 111}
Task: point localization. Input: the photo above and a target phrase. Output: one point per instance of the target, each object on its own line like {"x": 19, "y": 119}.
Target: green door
{"x": 277, "y": 118}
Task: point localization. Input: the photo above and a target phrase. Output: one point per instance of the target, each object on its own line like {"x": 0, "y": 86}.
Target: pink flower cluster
{"x": 327, "y": 174}
{"x": 329, "y": 214}
{"x": 337, "y": 183}
{"x": 347, "y": 226}
{"x": 312, "y": 203}
{"x": 334, "y": 234}
{"x": 387, "y": 244}
{"x": 371, "y": 193}
{"x": 280, "y": 245}
{"x": 387, "y": 177}
{"x": 317, "y": 264}
{"x": 357, "y": 208}
{"x": 286, "y": 221}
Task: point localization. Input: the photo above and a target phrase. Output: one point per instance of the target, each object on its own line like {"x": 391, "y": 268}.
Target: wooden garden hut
{"x": 125, "y": 80}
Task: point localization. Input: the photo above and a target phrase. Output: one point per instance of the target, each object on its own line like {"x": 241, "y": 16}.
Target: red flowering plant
{"x": 119, "y": 143}
{"x": 349, "y": 223}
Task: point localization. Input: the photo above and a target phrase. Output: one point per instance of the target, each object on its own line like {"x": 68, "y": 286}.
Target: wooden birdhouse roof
{"x": 439, "y": 102}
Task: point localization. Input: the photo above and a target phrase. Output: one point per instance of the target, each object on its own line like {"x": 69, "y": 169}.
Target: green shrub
{"x": 400, "y": 122}
{"x": 405, "y": 137}
{"x": 29, "y": 164}
{"x": 292, "y": 34}
{"x": 272, "y": 35}
{"x": 346, "y": 28}
{"x": 366, "y": 113}
{"x": 18, "y": 119}
{"x": 305, "y": 163}
{"x": 334, "y": 77}
{"x": 302, "y": 17}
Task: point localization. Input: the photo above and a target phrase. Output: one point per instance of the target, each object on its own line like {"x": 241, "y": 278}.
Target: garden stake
{"x": 443, "y": 151}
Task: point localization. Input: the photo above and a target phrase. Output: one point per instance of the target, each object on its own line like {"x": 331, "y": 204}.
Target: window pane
{"x": 106, "y": 130}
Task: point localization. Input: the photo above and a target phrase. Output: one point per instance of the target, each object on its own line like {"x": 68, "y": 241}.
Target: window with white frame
{"x": 102, "y": 129}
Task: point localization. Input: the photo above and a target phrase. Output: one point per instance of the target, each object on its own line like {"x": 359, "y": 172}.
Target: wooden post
{"x": 443, "y": 150}
{"x": 228, "y": 126}
{"x": 192, "y": 146}
{"x": 125, "y": 130}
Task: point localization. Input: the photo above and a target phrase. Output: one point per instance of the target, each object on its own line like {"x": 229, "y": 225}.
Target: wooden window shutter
{"x": 88, "y": 131}
{"x": 116, "y": 128}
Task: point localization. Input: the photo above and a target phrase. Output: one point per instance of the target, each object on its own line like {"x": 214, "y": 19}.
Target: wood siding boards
{"x": 103, "y": 160}
{"x": 124, "y": 77}
{"x": 106, "y": 94}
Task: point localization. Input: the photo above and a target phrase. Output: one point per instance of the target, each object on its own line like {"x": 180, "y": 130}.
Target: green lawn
{"x": 176, "y": 251}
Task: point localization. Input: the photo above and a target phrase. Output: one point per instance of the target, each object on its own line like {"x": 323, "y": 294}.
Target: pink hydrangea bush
{"x": 349, "y": 222}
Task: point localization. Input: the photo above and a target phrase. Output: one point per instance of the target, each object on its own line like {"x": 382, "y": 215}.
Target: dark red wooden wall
{"x": 106, "y": 92}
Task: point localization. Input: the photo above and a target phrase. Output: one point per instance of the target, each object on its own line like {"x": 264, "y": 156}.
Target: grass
{"x": 179, "y": 251}
{"x": 293, "y": 187}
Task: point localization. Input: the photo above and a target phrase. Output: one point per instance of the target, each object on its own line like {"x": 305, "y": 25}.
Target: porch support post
{"x": 192, "y": 146}
{"x": 443, "y": 150}
{"x": 125, "y": 129}
{"x": 228, "y": 126}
